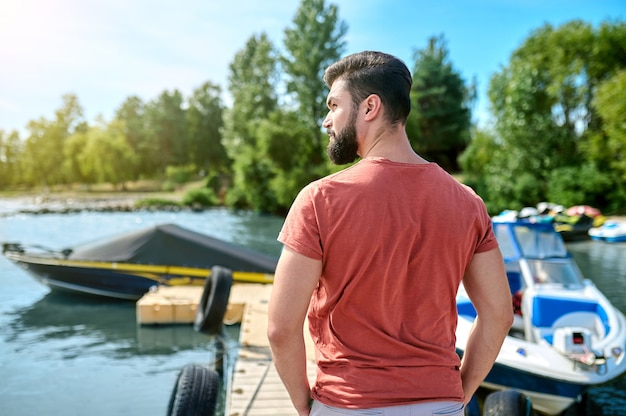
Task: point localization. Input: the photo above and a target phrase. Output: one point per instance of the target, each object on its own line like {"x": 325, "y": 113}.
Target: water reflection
{"x": 93, "y": 347}
{"x": 75, "y": 325}
{"x": 259, "y": 232}
{"x": 605, "y": 264}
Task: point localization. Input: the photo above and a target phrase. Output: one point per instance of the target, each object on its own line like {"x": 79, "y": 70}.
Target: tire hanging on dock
{"x": 507, "y": 403}
{"x": 212, "y": 307}
{"x": 195, "y": 393}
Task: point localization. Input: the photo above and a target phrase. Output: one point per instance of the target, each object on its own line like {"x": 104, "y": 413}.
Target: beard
{"x": 343, "y": 146}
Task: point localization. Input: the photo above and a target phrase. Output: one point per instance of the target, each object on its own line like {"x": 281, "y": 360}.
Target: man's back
{"x": 394, "y": 240}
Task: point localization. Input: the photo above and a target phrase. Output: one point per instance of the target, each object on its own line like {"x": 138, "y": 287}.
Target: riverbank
{"x": 139, "y": 197}
{"x": 101, "y": 199}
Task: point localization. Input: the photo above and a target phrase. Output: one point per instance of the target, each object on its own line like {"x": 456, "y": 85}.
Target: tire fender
{"x": 507, "y": 403}
{"x": 195, "y": 393}
{"x": 214, "y": 301}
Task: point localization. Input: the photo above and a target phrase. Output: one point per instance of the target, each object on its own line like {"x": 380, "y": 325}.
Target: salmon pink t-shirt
{"x": 395, "y": 240}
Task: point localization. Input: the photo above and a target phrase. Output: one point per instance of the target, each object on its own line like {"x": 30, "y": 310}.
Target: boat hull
{"x": 126, "y": 266}
{"x": 551, "y": 380}
{"x": 547, "y": 404}
{"x": 548, "y": 395}
{"x": 95, "y": 281}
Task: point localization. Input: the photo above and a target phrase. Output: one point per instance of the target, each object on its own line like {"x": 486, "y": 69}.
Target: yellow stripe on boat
{"x": 151, "y": 271}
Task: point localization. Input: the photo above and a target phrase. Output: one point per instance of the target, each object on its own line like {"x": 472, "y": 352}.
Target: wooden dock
{"x": 255, "y": 388}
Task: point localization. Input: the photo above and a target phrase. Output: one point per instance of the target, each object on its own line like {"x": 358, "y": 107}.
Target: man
{"x": 375, "y": 254}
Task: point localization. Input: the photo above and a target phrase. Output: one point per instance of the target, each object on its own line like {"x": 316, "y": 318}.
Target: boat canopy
{"x": 172, "y": 245}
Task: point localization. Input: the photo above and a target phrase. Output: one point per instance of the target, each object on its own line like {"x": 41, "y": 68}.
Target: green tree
{"x": 251, "y": 82}
{"x": 107, "y": 157}
{"x": 167, "y": 129}
{"x": 43, "y": 151}
{"x": 573, "y": 60}
{"x": 279, "y": 143}
{"x": 439, "y": 125}
{"x": 10, "y": 153}
{"x": 204, "y": 123}
{"x": 313, "y": 43}
{"x": 531, "y": 141}
{"x": 545, "y": 120}
{"x": 477, "y": 156}
{"x": 73, "y": 150}
{"x": 610, "y": 104}
{"x": 131, "y": 116}
{"x": 583, "y": 184}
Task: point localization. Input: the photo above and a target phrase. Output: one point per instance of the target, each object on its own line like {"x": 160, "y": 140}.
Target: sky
{"x": 104, "y": 51}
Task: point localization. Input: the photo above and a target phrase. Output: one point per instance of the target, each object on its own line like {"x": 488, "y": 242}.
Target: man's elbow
{"x": 506, "y": 318}
{"x": 499, "y": 318}
{"x": 278, "y": 335}
{"x": 274, "y": 333}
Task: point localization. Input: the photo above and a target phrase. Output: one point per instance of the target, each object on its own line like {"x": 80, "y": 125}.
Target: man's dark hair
{"x": 377, "y": 73}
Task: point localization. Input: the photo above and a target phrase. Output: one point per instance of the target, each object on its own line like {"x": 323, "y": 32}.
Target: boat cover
{"x": 172, "y": 245}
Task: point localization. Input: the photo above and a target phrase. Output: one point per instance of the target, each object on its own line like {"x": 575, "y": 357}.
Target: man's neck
{"x": 392, "y": 145}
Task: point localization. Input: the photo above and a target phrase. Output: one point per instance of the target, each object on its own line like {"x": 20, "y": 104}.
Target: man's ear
{"x": 373, "y": 106}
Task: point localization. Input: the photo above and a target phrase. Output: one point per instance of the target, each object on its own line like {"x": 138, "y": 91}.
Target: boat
{"x": 572, "y": 223}
{"x": 612, "y": 231}
{"x": 566, "y": 336}
{"x": 575, "y": 228}
{"x": 128, "y": 265}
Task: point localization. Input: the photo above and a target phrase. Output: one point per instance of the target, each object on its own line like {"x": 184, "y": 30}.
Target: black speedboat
{"x": 126, "y": 266}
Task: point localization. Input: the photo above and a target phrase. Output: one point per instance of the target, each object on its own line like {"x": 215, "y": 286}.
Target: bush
{"x": 156, "y": 203}
{"x": 180, "y": 174}
{"x": 168, "y": 186}
{"x": 580, "y": 185}
{"x": 203, "y": 197}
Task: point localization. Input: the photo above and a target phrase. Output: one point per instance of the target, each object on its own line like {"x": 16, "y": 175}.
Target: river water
{"x": 67, "y": 355}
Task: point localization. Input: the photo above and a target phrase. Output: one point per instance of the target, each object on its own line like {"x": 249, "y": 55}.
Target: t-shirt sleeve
{"x": 488, "y": 241}
{"x": 301, "y": 231}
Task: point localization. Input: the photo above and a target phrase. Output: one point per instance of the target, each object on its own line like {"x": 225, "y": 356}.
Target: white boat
{"x": 611, "y": 231}
{"x": 567, "y": 336}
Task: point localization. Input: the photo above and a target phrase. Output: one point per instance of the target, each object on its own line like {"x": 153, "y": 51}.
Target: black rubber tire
{"x": 195, "y": 393}
{"x": 212, "y": 307}
{"x": 507, "y": 403}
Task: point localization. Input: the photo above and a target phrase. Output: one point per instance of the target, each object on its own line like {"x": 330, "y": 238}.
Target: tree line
{"x": 557, "y": 131}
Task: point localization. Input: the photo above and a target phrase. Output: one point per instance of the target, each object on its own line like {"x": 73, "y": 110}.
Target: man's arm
{"x": 487, "y": 287}
{"x": 294, "y": 281}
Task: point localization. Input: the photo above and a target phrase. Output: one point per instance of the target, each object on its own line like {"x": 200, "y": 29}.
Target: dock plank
{"x": 256, "y": 387}
{"x": 258, "y": 390}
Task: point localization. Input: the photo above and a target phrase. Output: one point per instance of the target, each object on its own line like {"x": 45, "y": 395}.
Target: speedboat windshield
{"x": 555, "y": 271}
{"x": 533, "y": 240}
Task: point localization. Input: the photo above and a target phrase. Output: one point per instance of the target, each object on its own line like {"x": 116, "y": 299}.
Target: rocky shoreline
{"x": 62, "y": 204}
{"x": 116, "y": 202}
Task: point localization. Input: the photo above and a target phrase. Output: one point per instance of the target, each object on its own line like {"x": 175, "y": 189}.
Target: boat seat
{"x": 589, "y": 320}
{"x": 549, "y": 313}
{"x": 515, "y": 281}
{"x": 466, "y": 309}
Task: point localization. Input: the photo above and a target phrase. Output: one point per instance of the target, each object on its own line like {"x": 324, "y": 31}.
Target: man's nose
{"x": 326, "y": 123}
